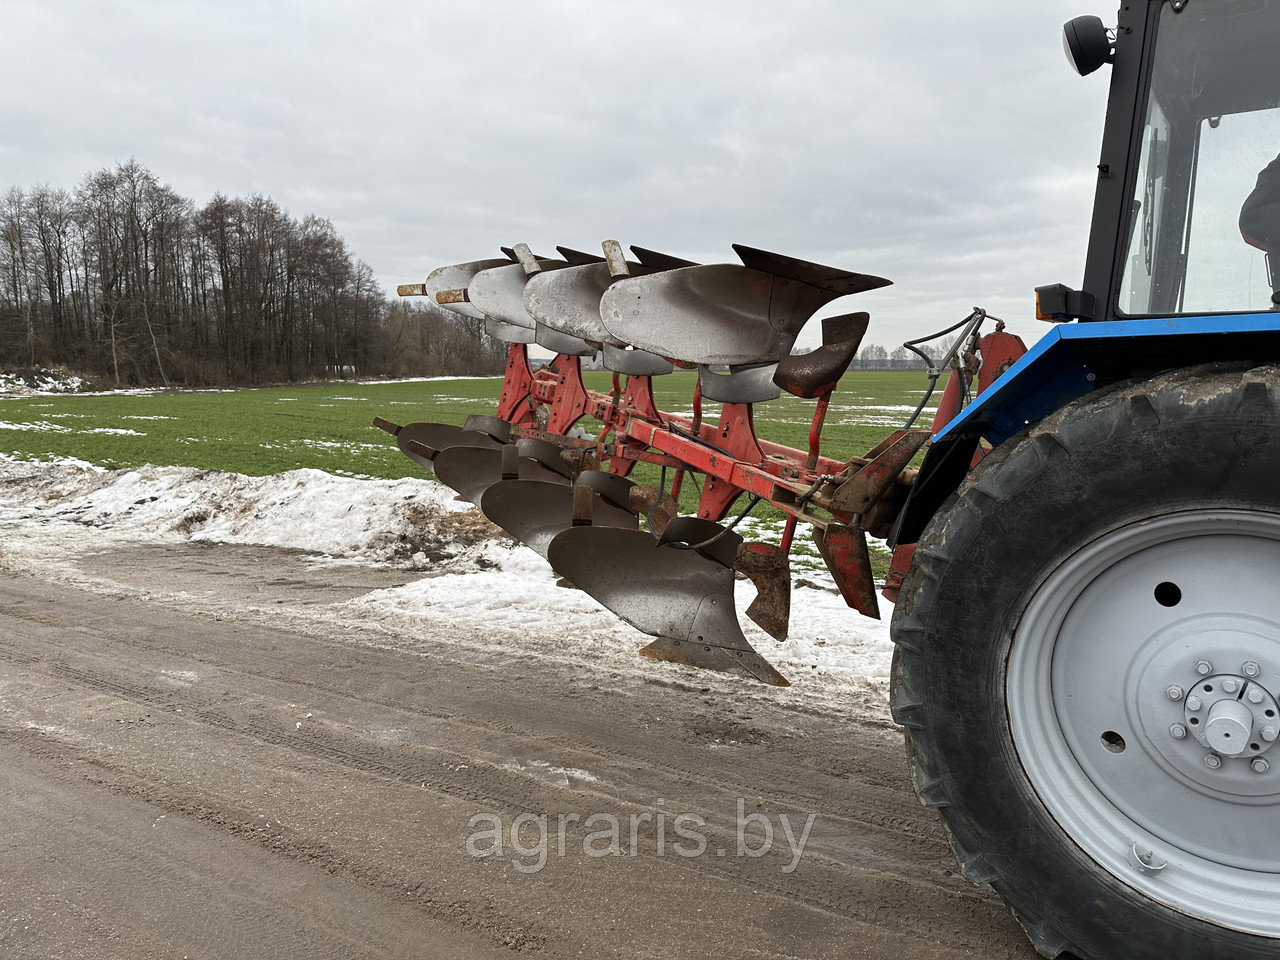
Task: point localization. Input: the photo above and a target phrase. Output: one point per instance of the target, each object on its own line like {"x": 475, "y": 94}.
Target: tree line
{"x": 875, "y": 357}
{"x": 124, "y": 279}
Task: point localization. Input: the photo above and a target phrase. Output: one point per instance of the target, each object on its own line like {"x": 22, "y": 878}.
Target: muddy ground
{"x": 196, "y": 767}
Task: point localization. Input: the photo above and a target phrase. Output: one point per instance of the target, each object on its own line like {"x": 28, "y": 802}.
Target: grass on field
{"x": 330, "y": 426}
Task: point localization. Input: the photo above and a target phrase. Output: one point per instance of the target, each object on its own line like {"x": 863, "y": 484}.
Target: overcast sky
{"x": 946, "y": 146}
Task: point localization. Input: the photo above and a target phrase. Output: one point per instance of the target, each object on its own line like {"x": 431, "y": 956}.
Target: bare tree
{"x": 126, "y": 278}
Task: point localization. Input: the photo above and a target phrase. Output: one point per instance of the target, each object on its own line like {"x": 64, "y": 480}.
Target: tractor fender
{"x": 1070, "y": 361}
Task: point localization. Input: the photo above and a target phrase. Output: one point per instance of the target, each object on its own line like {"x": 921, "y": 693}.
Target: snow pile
{"x": 28, "y": 383}
{"x": 375, "y": 520}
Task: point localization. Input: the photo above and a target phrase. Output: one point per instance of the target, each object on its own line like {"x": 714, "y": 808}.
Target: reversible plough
{"x": 567, "y": 494}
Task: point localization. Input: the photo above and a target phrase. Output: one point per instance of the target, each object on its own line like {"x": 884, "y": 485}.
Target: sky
{"x": 948, "y": 147}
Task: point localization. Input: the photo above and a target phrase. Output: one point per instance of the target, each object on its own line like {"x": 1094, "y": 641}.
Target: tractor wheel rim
{"x": 1114, "y": 650}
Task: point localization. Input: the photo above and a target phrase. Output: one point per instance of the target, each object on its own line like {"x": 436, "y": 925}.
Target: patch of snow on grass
{"x": 43, "y": 426}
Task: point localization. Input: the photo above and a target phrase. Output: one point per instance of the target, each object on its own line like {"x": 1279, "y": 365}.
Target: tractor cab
{"x": 1194, "y": 121}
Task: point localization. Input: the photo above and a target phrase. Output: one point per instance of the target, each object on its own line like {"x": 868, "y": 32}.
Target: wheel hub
{"x": 1204, "y": 729}
{"x": 1231, "y": 714}
{"x": 1222, "y": 723}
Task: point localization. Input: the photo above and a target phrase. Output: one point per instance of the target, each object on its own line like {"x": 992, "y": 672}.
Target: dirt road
{"x": 182, "y": 785}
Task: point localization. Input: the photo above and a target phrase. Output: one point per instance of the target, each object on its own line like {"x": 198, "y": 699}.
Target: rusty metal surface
{"x": 527, "y": 260}
{"x": 411, "y": 290}
{"x": 769, "y": 568}
{"x": 845, "y": 551}
{"x": 678, "y": 596}
{"x": 861, "y": 491}
{"x": 879, "y": 520}
{"x": 657, "y": 507}
{"x": 616, "y": 259}
{"x": 448, "y": 297}
{"x": 584, "y": 505}
{"x": 812, "y": 374}
{"x": 898, "y": 568}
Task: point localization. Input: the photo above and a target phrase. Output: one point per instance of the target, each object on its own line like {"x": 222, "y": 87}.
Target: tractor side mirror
{"x": 1086, "y": 43}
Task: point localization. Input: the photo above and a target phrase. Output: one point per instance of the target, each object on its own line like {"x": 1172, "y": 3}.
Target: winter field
{"x": 330, "y": 426}
{"x": 303, "y": 469}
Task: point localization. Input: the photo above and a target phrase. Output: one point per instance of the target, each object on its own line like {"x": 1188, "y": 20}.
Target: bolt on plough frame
{"x": 536, "y": 473}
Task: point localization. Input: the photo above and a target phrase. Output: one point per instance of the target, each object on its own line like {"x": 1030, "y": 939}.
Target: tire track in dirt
{"x": 854, "y": 804}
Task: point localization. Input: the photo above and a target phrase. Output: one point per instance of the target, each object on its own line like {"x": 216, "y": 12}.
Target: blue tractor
{"x": 1088, "y": 638}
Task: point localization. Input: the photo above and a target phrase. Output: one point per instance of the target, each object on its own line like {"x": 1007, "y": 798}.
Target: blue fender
{"x": 1067, "y": 363}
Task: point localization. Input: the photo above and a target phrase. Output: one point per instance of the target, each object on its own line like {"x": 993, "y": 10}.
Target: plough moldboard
{"x": 566, "y": 493}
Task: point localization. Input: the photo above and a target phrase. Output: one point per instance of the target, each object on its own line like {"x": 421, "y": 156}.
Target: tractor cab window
{"x": 1212, "y": 127}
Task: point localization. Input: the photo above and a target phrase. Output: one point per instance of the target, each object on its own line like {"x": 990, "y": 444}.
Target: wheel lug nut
{"x": 1269, "y": 734}
{"x": 1175, "y": 692}
{"x": 1260, "y": 765}
{"x": 1255, "y": 696}
{"x": 1212, "y": 761}
{"x": 1178, "y": 732}
{"x": 1204, "y": 667}
{"x": 1251, "y": 669}
{"x": 1194, "y": 704}
{"x": 1230, "y": 686}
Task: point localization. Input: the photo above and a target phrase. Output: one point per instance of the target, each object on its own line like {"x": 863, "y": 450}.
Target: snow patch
{"x": 43, "y": 426}
{"x": 34, "y": 383}
{"x": 377, "y": 520}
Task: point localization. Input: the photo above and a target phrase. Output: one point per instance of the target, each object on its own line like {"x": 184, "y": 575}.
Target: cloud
{"x": 947, "y": 147}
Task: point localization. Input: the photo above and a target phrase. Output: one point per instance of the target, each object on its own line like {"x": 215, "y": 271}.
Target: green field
{"x": 330, "y": 426}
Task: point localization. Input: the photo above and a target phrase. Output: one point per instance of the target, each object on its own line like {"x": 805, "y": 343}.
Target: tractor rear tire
{"x": 1130, "y": 538}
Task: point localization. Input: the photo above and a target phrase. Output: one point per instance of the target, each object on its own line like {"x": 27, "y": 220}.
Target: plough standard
{"x": 567, "y": 494}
